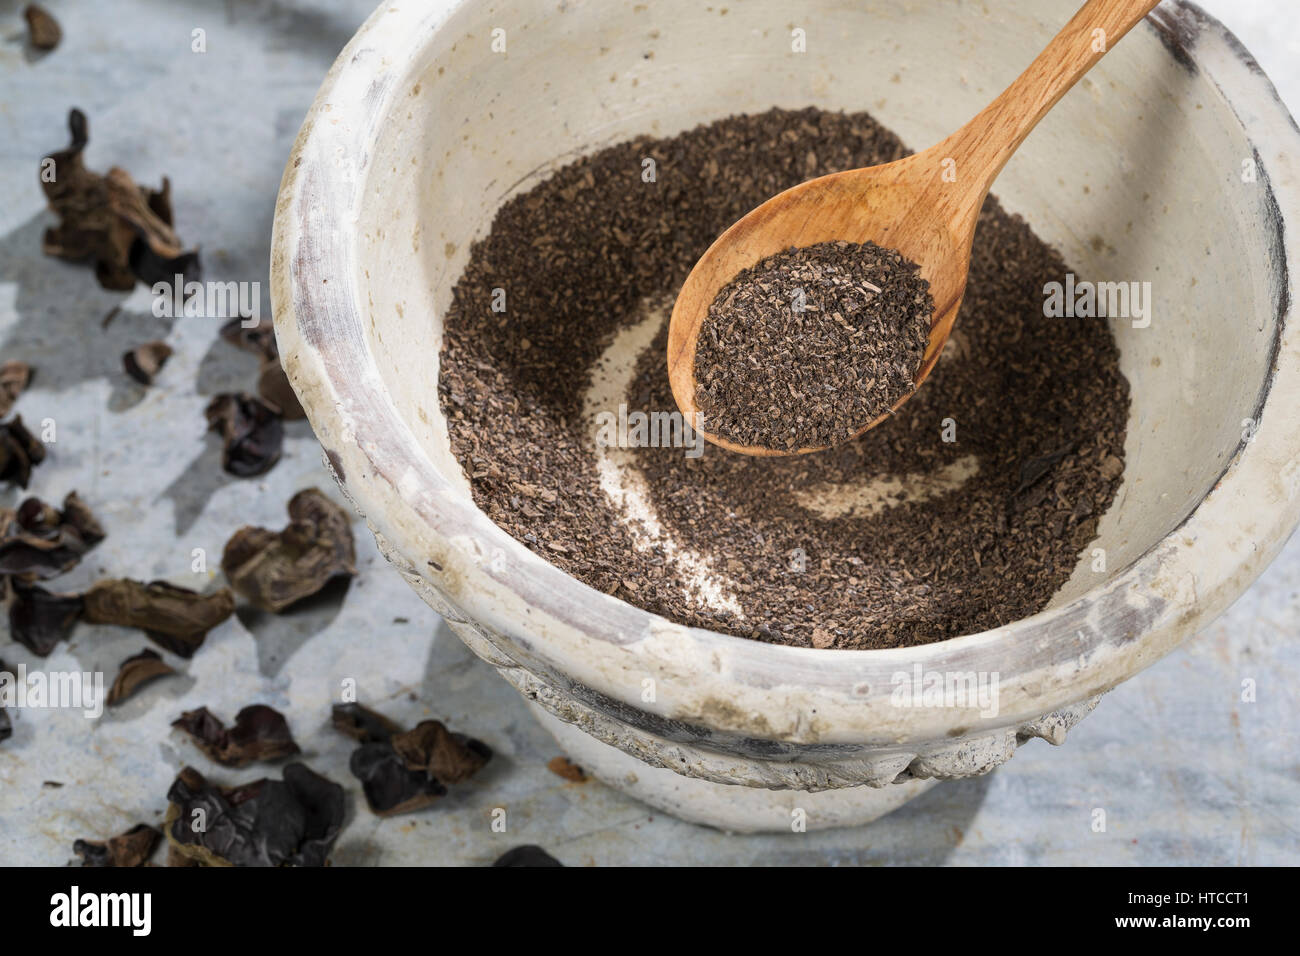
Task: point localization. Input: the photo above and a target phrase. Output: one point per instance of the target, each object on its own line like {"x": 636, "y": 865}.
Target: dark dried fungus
{"x": 175, "y": 618}
{"x": 272, "y": 382}
{"x": 527, "y": 855}
{"x": 363, "y": 724}
{"x": 43, "y": 31}
{"x": 259, "y": 733}
{"x": 20, "y": 451}
{"x": 132, "y": 848}
{"x": 402, "y": 771}
{"x": 39, "y": 541}
{"x": 431, "y": 747}
{"x": 390, "y": 786}
{"x": 143, "y": 362}
{"x": 125, "y": 229}
{"x": 289, "y": 822}
{"x": 15, "y": 376}
{"x": 251, "y": 433}
{"x": 135, "y": 672}
{"x": 275, "y": 570}
{"x": 40, "y": 619}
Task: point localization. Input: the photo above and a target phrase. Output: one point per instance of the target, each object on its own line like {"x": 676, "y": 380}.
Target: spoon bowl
{"x": 884, "y": 204}
{"x": 925, "y": 206}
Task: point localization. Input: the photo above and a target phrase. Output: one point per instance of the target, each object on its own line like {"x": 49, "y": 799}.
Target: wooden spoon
{"x": 925, "y": 206}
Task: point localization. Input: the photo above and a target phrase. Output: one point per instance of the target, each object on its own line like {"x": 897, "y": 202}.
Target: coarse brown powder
{"x": 807, "y": 347}
{"x": 965, "y": 511}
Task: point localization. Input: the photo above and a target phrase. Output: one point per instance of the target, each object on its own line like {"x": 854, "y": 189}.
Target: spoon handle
{"x": 982, "y": 147}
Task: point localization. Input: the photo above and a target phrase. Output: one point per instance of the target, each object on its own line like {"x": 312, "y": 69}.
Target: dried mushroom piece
{"x": 39, "y": 541}
{"x": 566, "y": 768}
{"x": 43, "y": 31}
{"x": 289, "y": 822}
{"x": 126, "y": 229}
{"x": 175, "y": 618}
{"x": 389, "y": 785}
{"x": 132, "y": 848}
{"x": 272, "y": 382}
{"x": 431, "y": 747}
{"x": 251, "y": 432}
{"x": 15, "y": 376}
{"x": 39, "y": 619}
{"x": 143, "y": 362}
{"x": 20, "y": 451}
{"x": 363, "y": 724}
{"x": 259, "y": 733}
{"x": 275, "y": 570}
{"x": 134, "y": 673}
{"x": 402, "y": 771}
{"x": 528, "y": 855}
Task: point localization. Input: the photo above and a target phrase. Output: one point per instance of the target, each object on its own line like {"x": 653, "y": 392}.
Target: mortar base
{"x": 735, "y": 809}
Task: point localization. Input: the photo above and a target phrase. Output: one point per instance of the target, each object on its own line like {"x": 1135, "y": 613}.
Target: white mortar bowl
{"x": 420, "y": 132}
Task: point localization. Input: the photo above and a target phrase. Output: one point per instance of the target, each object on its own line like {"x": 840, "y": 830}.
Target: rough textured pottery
{"x": 1173, "y": 163}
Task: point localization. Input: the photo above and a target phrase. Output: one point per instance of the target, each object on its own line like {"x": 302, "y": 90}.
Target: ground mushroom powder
{"x": 964, "y": 511}
{"x": 807, "y": 347}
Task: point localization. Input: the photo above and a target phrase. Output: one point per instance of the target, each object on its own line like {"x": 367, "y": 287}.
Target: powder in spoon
{"x": 810, "y": 345}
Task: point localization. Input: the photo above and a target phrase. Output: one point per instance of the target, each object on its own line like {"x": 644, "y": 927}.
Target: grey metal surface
{"x": 1186, "y": 771}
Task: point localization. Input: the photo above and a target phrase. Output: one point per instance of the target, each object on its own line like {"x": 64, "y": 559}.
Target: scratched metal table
{"x": 1186, "y": 771}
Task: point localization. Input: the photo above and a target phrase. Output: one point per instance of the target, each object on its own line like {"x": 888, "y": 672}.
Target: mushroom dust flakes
{"x": 809, "y": 346}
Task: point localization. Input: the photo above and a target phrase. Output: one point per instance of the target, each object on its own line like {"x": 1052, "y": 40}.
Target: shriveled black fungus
{"x": 134, "y": 673}
{"x": 143, "y": 362}
{"x": 289, "y": 822}
{"x": 132, "y": 848}
{"x": 39, "y": 541}
{"x": 251, "y": 432}
{"x": 15, "y": 376}
{"x": 259, "y": 733}
{"x": 20, "y": 451}
{"x": 431, "y": 747}
{"x": 527, "y": 855}
{"x": 39, "y": 619}
{"x": 401, "y": 771}
{"x": 272, "y": 383}
{"x": 43, "y": 30}
{"x": 363, "y": 724}
{"x": 124, "y": 228}
{"x": 275, "y": 570}
{"x": 389, "y": 785}
{"x": 175, "y": 618}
